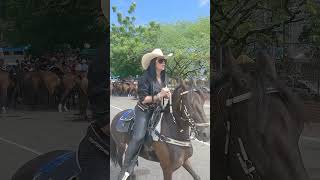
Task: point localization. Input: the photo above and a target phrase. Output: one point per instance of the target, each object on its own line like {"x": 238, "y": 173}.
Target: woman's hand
{"x": 165, "y": 92}
{"x": 168, "y": 95}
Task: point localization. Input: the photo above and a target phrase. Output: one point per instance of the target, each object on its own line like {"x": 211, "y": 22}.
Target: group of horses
{"x": 124, "y": 88}
{"x": 51, "y": 88}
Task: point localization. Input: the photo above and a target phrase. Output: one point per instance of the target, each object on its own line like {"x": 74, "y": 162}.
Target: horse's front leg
{"x": 63, "y": 99}
{"x": 3, "y": 100}
{"x": 188, "y": 167}
{"x": 167, "y": 174}
{"x": 164, "y": 156}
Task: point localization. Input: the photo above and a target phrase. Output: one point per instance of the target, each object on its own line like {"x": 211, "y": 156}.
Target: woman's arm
{"x": 144, "y": 92}
{"x": 164, "y": 93}
{"x": 148, "y": 99}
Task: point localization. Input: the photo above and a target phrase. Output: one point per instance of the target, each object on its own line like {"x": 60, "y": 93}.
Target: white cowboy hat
{"x": 146, "y": 59}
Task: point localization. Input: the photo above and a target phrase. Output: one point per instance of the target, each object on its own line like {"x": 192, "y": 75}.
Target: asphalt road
{"x": 25, "y": 134}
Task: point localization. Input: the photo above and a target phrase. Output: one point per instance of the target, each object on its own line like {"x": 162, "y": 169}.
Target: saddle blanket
{"x": 62, "y": 167}
{"x": 125, "y": 122}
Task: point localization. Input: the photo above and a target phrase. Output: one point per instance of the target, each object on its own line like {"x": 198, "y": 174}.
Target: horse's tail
{"x": 113, "y": 151}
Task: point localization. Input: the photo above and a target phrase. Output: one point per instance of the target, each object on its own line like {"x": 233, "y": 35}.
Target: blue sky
{"x": 163, "y": 11}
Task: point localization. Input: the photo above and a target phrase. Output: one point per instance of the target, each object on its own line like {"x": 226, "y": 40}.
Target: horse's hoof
{"x": 60, "y": 108}
{"x": 3, "y": 110}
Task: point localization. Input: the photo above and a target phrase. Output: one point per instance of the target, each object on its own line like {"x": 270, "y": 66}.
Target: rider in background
{"x": 84, "y": 65}
{"x": 84, "y": 68}
{"x": 151, "y": 90}
{"x": 78, "y": 68}
{"x": 29, "y": 67}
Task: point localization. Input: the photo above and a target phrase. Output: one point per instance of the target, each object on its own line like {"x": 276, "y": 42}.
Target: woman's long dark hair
{"x": 151, "y": 72}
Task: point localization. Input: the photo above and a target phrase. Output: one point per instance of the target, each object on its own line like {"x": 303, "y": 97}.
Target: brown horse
{"x": 187, "y": 110}
{"x": 83, "y": 97}
{"x": 31, "y": 84}
{"x": 70, "y": 82}
{"x": 133, "y": 89}
{"x": 117, "y": 88}
{"x": 258, "y": 124}
{"x": 111, "y": 88}
{"x": 51, "y": 82}
{"x": 125, "y": 88}
{"x": 4, "y": 85}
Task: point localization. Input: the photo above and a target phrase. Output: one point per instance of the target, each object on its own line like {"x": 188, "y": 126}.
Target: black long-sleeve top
{"x": 148, "y": 87}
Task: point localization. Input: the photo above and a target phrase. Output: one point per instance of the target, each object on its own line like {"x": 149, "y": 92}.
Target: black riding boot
{"x": 139, "y": 131}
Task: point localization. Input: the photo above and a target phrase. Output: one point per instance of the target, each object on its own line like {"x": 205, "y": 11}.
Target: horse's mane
{"x": 260, "y": 82}
{"x": 254, "y": 126}
{"x": 191, "y": 87}
{"x": 189, "y": 94}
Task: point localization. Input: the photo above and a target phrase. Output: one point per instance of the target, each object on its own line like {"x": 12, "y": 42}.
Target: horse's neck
{"x": 173, "y": 130}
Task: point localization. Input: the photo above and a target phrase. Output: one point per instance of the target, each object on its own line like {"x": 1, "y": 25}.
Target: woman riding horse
{"x": 151, "y": 91}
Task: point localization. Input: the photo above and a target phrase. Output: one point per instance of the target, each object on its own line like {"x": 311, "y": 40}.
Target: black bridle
{"x": 185, "y": 113}
{"x": 185, "y": 116}
{"x": 246, "y": 164}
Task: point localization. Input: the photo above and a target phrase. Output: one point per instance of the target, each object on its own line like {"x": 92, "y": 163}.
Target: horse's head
{"x": 242, "y": 75}
{"x": 188, "y": 104}
{"x": 231, "y": 75}
{"x": 250, "y": 105}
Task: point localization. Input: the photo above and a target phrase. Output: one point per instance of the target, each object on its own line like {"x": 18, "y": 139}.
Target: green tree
{"x": 129, "y": 42}
{"x": 188, "y": 41}
{"x": 244, "y": 23}
{"x": 47, "y": 24}
{"x": 310, "y": 32}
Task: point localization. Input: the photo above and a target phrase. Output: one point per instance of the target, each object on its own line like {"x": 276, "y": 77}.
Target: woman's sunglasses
{"x": 161, "y": 61}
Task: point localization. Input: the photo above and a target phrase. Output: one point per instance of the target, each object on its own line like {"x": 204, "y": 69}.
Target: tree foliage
{"x": 190, "y": 44}
{"x": 311, "y": 30}
{"x": 242, "y": 23}
{"x": 47, "y": 24}
{"x": 188, "y": 41}
{"x": 128, "y": 41}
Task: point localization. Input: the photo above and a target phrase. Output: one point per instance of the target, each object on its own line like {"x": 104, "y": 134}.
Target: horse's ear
{"x": 179, "y": 81}
{"x": 182, "y": 83}
{"x": 266, "y": 64}
{"x": 228, "y": 58}
{"x": 193, "y": 83}
{"x": 232, "y": 67}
